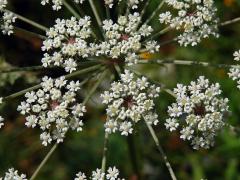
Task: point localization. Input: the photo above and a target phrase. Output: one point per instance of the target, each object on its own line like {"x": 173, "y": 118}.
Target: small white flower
{"x": 12, "y": 174}
{"x": 235, "y": 71}
{"x": 198, "y": 112}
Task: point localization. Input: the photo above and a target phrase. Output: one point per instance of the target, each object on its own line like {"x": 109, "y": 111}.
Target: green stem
{"x": 26, "y": 20}
{"x": 187, "y": 63}
{"x": 80, "y": 72}
{"x": 69, "y": 7}
{"x": 102, "y": 76}
{"x": 44, "y": 161}
{"x": 104, "y": 157}
{"x": 160, "y": 149}
{"x": 155, "y": 12}
{"x": 18, "y": 69}
{"x": 230, "y": 21}
{"x": 165, "y": 30}
{"x": 95, "y": 12}
{"x": 30, "y": 33}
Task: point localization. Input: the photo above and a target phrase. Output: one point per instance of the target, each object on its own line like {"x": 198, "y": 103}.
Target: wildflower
{"x": 112, "y": 174}
{"x": 54, "y": 109}
{"x": 57, "y": 4}
{"x": 197, "y": 19}
{"x": 66, "y": 42}
{"x": 8, "y": 19}
{"x": 12, "y": 174}
{"x": 123, "y": 40}
{"x": 128, "y": 101}
{"x": 3, "y": 4}
{"x": 198, "y": 112}
{"x": 235, "y": 71}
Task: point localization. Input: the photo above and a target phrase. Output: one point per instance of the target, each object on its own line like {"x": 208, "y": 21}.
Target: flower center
{"x": 199, "y": 110}
{"x": 124, "y": 37}
{"x": 128, "y": 102}
{"x": 71, "y": 40}
{"x": 54, "y": 104}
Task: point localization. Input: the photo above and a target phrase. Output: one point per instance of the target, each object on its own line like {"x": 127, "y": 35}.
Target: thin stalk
{"x": 107, "y": 12}
{"x": 159, "y": 33}
{"x": 103, "y": 75}
{"x": 33, "y": 34}
{"x": 155, "y": 12}
{"x": 44, "y": 161}
{"x": 230, "y": 21}
{"x": 18, "y": 69}
{"x": 160, "y": 149}
{"x": 95, "y": 12}
{"x": 26, "y": 20}
{"x": 80, "y": 72}
{"x": 69, "y": 7}
{"x": 104, "y": 157}
{"x": 187, "y": 63}
{"x": 144, "y": 8}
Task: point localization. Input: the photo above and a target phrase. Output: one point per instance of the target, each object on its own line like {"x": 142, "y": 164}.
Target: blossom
{"x": 3, "y": 4}
{"x": 66, "y": 42}
{"x": 128, "y": 101}
{"x": 112, "y": 174}
{"x": 57, "y": 4}
{"x": 235, "y": 71}
{"x": 12, "y": 174}
{"x": 198, "y": 112}
{"x": 54, "y": 109}
{"x": 123, "y": 39}
{"x": 131, "y": 3}
{"x": 197, "y": 19}
{"x": 7, "y": 19}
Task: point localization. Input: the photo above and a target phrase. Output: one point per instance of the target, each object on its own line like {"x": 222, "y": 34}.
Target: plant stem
{"x": 83, "y": 71}
{"x": 95, "y": 86}
{"x": 104, "y": 157}
{"x": 160, "y": 149}
{"x": 235, "y": 20}
{"x": 44, "y": 161}
{"x": 144, "y": 8}
{"x": 26, "y": 20}
{"x": 187, "y": 63}
{"x": 18, "y": 69}
{"x": 94, "y": 9}
{"x": 69, "y": 7}
{"x": 155, "y": 12}
{"x": 30, "y": 33}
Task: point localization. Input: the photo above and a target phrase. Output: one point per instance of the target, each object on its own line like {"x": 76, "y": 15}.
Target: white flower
{"x": 1, "y": 122}
{"x": 198, "y": 112}
{"x": 8, "y": 19}
{"x": 124, "y": 40}
{"x": 12, "y": 174}
{"x": 197, "y": 19}
{"x": 129, "y": 100}
{"x": 53, "y": 109}
{"x": 3, "y": 4}
{"x": 235, "y": 71}
{"x": 57, "y": 4}
{"x": 112, "y": 174}
{"x": 66, "y": 42}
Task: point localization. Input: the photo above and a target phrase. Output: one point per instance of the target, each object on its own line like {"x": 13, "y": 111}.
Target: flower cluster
{"x": 196, "y": 18}
{"x": 128, "y": 101}
{"x": 131, "y": 3}
{"x": 235, "y": 71}
{"x": 112, "y": 174}
{"x": 54, "y": 109}
{"x": 123, "y": 39}
{"x": 198, "y": 112}
{"x": 57, "y": 4}
{"x": 1, "y": 118}
{"x": 12, "y": 174}
{"x": 7, "y": 20}
{"x": 66, "y": 43}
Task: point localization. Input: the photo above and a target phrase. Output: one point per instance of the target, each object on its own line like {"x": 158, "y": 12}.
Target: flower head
{"x": 54, "y": 109}
{"x": 198, "y": 112}
{"x": 128, "y": 101}
{"x": 112, "y": 174}
{"x": 66, "y": 43}
{"x": 12, "y": 174}
{"x": 235, "y": 71}
{"x": 196, "y": 18}
{"x": 57, "y": 4}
